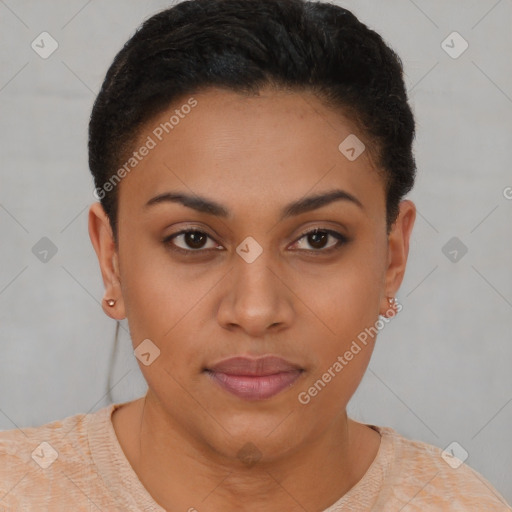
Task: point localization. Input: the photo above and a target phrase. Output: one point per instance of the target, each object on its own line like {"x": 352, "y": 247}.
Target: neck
{"x": 181, "y": 472}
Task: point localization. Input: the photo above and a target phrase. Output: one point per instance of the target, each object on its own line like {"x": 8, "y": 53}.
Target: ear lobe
{"x": 102, "y": 238}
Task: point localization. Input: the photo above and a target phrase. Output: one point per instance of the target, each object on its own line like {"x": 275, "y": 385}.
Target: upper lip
{"x": 267, "y": 365}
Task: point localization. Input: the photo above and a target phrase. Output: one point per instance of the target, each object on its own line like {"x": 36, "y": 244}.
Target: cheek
{"x": 344, "y": 353}
{"x": 164, "y": 302}
{"x": 347, "y": 306}
{"x": 346, "y": 299}
{"x": 153, "y": 292}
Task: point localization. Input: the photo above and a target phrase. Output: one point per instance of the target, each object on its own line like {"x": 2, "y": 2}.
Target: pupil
{"x": 193, "y": 239}
{"x": 314, "y": 236}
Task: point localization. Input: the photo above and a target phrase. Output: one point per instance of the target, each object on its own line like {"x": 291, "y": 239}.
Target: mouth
{"x": 254, "y": 379}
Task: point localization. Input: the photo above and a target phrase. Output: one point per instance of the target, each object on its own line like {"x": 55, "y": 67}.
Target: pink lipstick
{"x": 254, "y": 379}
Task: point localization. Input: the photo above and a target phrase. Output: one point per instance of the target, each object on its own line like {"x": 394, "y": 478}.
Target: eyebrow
{"x": 209, "y": 206}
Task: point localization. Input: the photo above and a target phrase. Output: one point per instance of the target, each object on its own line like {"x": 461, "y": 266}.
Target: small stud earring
{"x": 110, "y": 302}
{"x": 392, "y": 303}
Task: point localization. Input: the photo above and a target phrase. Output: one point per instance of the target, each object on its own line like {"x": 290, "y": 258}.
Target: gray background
{"x": 441, "y": 371}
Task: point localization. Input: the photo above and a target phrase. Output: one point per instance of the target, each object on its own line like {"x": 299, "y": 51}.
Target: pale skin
{"x": 252, "y": 155}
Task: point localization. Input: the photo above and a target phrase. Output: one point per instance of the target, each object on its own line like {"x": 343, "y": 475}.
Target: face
{"x": 217, "y": 258}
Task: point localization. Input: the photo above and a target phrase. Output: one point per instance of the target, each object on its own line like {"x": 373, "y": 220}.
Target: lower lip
{"x": 255, "y": 387}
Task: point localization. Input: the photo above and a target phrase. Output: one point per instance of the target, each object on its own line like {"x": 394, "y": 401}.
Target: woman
{"x": 251, "y": 160}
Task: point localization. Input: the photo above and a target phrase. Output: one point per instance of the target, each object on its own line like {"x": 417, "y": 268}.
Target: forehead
{"x": 277, "y": 146}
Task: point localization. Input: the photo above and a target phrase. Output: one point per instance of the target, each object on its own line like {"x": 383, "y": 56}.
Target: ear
{"x": 398, "y": 251}
{"x": 102, "y": 238}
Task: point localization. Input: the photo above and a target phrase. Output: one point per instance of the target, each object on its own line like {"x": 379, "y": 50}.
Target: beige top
{"x": 78, "y": 464}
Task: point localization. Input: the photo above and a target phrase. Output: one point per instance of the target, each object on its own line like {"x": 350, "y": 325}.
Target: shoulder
{"x": 428, "y": 478}
{"x": 40, "y": 444}
{"x": 50, "y": 458}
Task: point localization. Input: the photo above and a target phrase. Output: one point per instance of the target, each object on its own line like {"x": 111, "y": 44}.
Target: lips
{"x": 267, "y": 365}
{"x": 254, "y": 379}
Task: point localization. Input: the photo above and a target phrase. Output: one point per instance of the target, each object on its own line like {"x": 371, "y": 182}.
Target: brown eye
{"x": 189, "y": 240}
{"x": 195, "y": 239}
{"x": 318, "y": 239}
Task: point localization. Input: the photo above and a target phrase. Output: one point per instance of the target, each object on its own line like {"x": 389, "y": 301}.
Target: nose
{"x": 257, "y": 299}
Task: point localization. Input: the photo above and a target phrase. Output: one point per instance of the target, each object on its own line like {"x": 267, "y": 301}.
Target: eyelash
{"x": 342, "y": 240}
